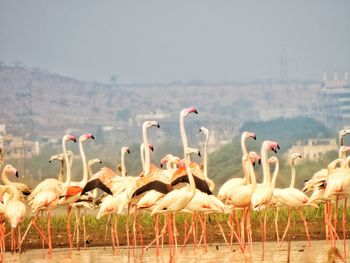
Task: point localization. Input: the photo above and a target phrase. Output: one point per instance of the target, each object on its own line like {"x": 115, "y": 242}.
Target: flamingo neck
{"x": 244, "y": 166}
{"x": 275, "y": 174}
{"x": 292, "y": 181}
{"x": 142, "y": 155}
{"x": 122, "y": 160}
{"x": 14, "y": 193}
{"x": 205, "y": 157}
{"x": 251, "y": 172}
{"x": 192, "y": 189}
{"x": 184, "y": 136}
{"x": 243, "y": 144}
{"x": 342, "y": 154}
{"x": 68, "y": 166}
{"x": 83, "y": 159}
{"x": 61, "y": 174}
{"x": 265, "y": 166}
{"x": 146, "y": 150}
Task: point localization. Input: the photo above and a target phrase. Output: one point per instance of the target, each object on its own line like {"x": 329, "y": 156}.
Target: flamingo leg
{"x": 140, "y": 234}
{"x": 242, "y": 241}
{"x": 156, "y": 230}
{"x": 325, "y": 219}
{"x": 84, "y": 227}
{"x": 78, "y": 228}
{"x": 112, "y": 233}
{"x": 134, "y": 231}
{"x": 202, "y": 221}
{"x": 42, "y": 227}
{"x": 68, "y": 229}
{"x": 194, "y": 231}
{"x": 306, "y": 226}
{"x": 116, "y": 231}
{"x": 276, "y": 226}
{"x": 238, "y": 225}
{"x": 49, "y": 217}
{"x": 249, "y": 229}
{"x": 222, "y": 231}
{"x": 335, "y": 220}
{"x": 186, "y": 237}
{"x": 127, "y": 229}
{"x": 232, "y": 230}
{"x": 286, "y": 230}
{"x": 175, "y": 231}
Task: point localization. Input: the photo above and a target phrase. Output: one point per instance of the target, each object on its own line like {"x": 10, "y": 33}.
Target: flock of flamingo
{"x": 183, "y": 187}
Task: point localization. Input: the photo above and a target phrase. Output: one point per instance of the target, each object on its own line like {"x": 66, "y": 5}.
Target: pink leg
{"x": 306, "y": 227}
{"x": 49, "y": 232}
{"x": 194, "y": 230}
{"x": 203, "y": 233}
{"x": 112, "y": 234}
{"x": 127, "y": 229}
{"x": 140, "y": 234}
{"x": 232, "y": 230}
{"x": 68, "y": 230}
{"x": 222, "y": 231}
{"x": 276, "y": 226}
{"x": 286, "y": 230}
{"x": 238, "y": 226}
{"x": 265, "y": 212}
{"x": 174, "y": 230}
{"x": 116, "y": 231}
{"x": 336, "y": 214}
{"x": 249, "y": 230}
{"x": 187, "y": 235}
{"x": 326, "y": 219}
{"x": 156, "y": 230}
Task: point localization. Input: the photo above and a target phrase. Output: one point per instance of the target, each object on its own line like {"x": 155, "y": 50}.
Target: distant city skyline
{"x": 165, "y": 41}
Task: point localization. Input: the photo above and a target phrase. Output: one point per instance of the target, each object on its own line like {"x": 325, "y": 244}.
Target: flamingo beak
{"x": 17, "y": 174}
{"x": 92, "y": 137}
{"x": 278, "y": 147}
{"x": 128, "y": 151}
{"x": 161, "y": 165}
{"x": 253, "y": 163}
{"x": 199, "y": 153}
{"x": 158, "y": 126}
{"x": 259, "y": 162}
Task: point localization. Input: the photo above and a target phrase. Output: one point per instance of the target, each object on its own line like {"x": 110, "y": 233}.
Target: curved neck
{"x": 252, "y": 174}
{"x": 243, "y": 145}
{"x": 205, "y": 157}
{"x": 190, "y": 176}
{"x": 61, "y": 175}
{"x": 184, "y": 136}
{"x": 122, "y": 160}
{"x": 245, "y": 168}
{"x": 68, "y": 163}
{"x": 265, "y": 167}
{"x": 342, "y": 154}
{"x": 172, "y": 163}
{"x": 341, "y": 140}
{"x": 275, "y": 174}
{"x": 14, "y": 193}
{"x": 83, "y": 159}
{"x": 331, "y": 166}
{"x": 146, "y": 150}
{"x": 346, "y": 164}
{"x": 292, "y": 181}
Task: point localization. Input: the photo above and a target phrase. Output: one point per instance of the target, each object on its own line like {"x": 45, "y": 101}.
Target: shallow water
{"x": 299, "y": 252}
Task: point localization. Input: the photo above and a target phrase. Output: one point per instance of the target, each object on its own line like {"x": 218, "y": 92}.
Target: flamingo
{"x": 75, "y": 188}
{"x": 60, "y": 157}
{"x": 240, "y": 197}
{"x": 233, "y": 182}
{"x": 263, "y": 192}
{"x": 15, "y": 210}
{"x": 293, "y": 198}
{"x": 84, "y": 202}
{"x": 46, "y": 196}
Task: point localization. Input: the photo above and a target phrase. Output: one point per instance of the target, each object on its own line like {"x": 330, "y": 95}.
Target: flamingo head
{"x": 271, "y": 145}
{"x": 165, "y": 159}
{"x": 149, "y": 124}
{"x": 125, "y": 149}
{"x": 69, "y": 137}
{"x": 204, "y": 130}
{"x": 248, "y": 134}
{"x": 11, "y": 170}
{"x": 58, "y": 157}
{"x": 344, "y": 149}
{"x": 295, "y": 156}
{"x": 344, "y": 132}
{"x": 187, "y": 111}
{"x": 254, "y": 157}
{"x": 189, "y": 151}
{"x": 150, "y": 146}
{"x": 93, "y": 161}
{"x": 273, "y": 159}
{"x": 86, "y": 136}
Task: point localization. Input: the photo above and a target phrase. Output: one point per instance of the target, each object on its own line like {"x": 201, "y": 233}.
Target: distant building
{"x": 313, "y": 149}
{"x": 336, "y": 100}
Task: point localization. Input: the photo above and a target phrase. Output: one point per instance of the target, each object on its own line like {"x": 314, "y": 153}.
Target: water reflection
{"x": 299, "y": 252}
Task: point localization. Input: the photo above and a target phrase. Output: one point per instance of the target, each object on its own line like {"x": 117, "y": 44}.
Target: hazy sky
{"x": 163, "y": 41}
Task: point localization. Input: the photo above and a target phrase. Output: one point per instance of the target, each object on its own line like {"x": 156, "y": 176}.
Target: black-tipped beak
{"x": 274, "y": 150}
{"x": 199, "y": 154}
{"x": 158, "y": 126}
{"x": 259, "y": 162}
{"x": 128, "y": 151}
{"x": 92, "y": 137}
{"x": 195, "y": 111}
{"x": 278, "y": 147}
{"x": 74, "y": 140}
{"x": 253, "y": 163}
{"x": 199, "y": 130}
{"x": 100, "y": 161}
{"x": 161, "y": 165}
{"x": 49, "y": 161}
{"x": 254, "y": 137}
{"x": 17, "y": 174}
{"x": 151, "y": 148}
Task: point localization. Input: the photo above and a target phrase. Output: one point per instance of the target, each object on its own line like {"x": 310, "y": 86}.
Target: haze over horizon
{"x": 165, "y": 41}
